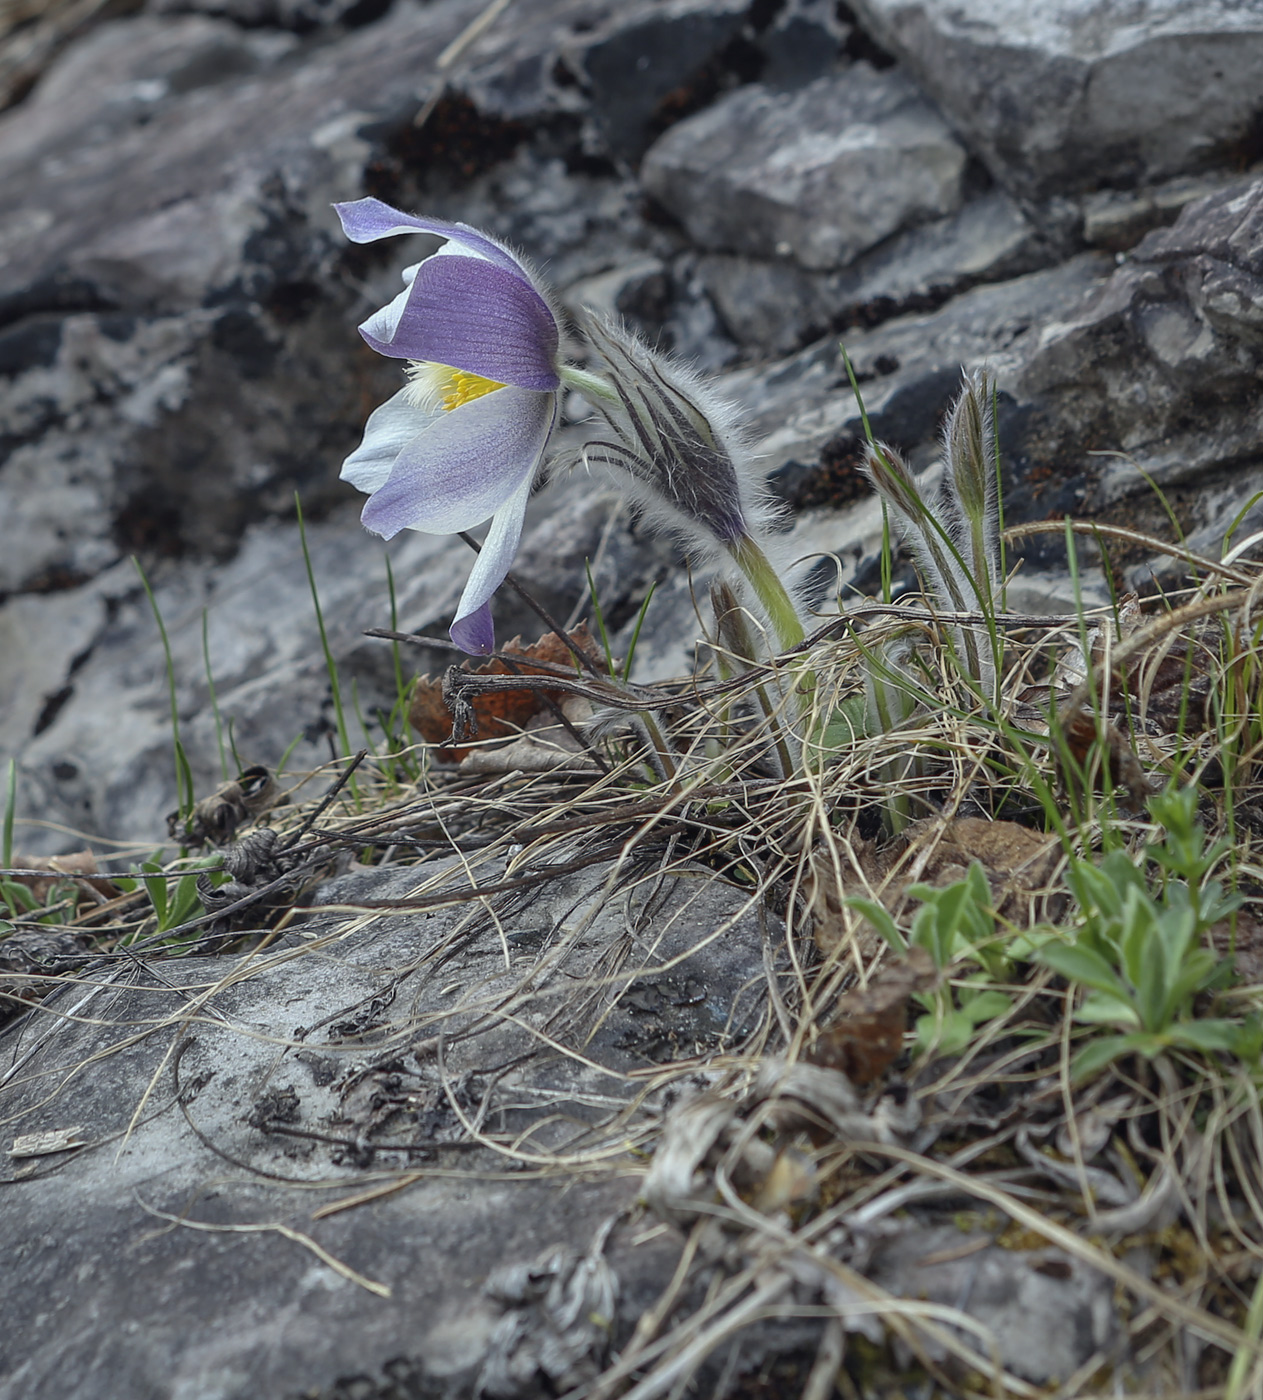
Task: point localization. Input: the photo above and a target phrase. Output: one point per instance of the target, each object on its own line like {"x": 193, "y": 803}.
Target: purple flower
{"x": 462, "y": 442}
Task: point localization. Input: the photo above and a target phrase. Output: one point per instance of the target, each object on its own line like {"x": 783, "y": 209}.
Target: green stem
{"x": 590, "y": 385}
{"x": 769, "y": 590}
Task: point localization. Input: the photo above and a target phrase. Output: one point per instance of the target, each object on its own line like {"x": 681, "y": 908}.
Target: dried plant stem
{"x": 1126, "y": 536}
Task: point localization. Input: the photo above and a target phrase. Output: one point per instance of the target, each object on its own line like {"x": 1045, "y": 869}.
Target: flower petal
{"x": 465, "y": 465}
{"x": 472, "y": 630}
{"x": 475, "y": 634}
{"x": 474, "y": 316}
{"x": 367, "y": 220}
{"x": 388, "y": 431}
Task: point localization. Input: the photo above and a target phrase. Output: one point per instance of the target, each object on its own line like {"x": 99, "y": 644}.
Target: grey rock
{"x": 1069, "y": 96}
{"x": 177, "y": 305}
{"x": 1160, "y": 369}
{"x": 83, "y": 701}
{"x": 810, "y": 434}
{"x": 635, "y": 69}
{"x": 300, "y": 16}
{"x": 988, "y": 240}
{"x": 768, "y": 304}
{"x": 648, "y": 67}
{"x": 778, "y": 306}
{"x": 640, "y": 290}
{"x": 1104, "y": 367}
{"x": 668, "y": 303}
{"x": 1117, "y": 220}
{"x": 170, "y": 374}
{"x": 328, "y": 1035}
{"x": 32, "y": 34}
{"x": 820, "y": 174}
{"x": 177, "y": 351}
{"x": 1005, "y": 1290}
{"x": 803, "y": 43}
{"x": 908, "y": 367}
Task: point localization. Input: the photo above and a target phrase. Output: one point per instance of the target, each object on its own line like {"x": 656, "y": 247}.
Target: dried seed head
{"x": 732, "y": 623}
{"x": 923, "y": 532}
{"x": 942, "y": 542}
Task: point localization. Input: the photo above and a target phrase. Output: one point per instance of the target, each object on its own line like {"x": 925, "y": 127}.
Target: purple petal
{"x": 475, "y": 634}
{"x": 472, "y": 631}
{"x": 468, "y": 314}
{"x": 367, "y": 220}
{"x": 465, "y": 465}
{"x": 388, "y": 431}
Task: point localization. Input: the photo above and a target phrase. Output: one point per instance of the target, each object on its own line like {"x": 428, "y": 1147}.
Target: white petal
{"x": 463, "y": 468}
{"x": 388, "y": 431}
{"x": 496, "y": 557}
{"x": 381, "y": 325}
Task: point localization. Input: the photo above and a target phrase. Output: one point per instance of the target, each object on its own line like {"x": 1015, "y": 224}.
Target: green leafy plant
{"x": 173, "y": 896}
{"x": 1139, "y": 953}
{"x": 954, "y": 539}
{"x": 955, "y": 924}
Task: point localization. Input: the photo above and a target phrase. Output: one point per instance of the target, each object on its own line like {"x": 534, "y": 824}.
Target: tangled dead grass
{"x": 783, "y": 1155}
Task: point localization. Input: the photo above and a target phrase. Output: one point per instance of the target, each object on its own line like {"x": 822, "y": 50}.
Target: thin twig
{"x": 320, "y": 808}
{"x": 542, "y": 613}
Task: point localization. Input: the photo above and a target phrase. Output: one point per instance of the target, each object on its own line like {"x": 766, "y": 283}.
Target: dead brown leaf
{"x": 78, "y": 865}
{"x": 506, "y": 712}
{"x": 865, "y": 1034}
{"x": 1018, "y": 862}
{"x": 1117, "y": 765}
{"x": 824, "y": 897}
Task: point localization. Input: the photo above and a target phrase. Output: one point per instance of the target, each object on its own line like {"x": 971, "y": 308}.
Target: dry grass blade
{"x": 380, "y": 1290}
{"x": 1134, "y": 537}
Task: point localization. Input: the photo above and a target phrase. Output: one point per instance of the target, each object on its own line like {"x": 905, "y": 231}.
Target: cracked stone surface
{"x": 298, "y": 1042}
{"x": 819, "y": 175}
{"x": 1070, "y": 97}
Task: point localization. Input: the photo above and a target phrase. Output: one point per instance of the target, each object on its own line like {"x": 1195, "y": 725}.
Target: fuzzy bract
{"x": 462, "y": 442}
{"x": 675, "y": 445}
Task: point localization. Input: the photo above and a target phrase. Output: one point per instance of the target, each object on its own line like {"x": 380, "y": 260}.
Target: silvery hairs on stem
{"x": 953, "y": 537}
{"x": 679, "y": 453}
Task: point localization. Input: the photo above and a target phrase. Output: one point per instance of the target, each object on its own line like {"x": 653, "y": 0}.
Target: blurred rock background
{"x": 1066, "y": 192}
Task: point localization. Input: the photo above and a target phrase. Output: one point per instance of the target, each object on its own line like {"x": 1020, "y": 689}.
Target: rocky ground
{"x": 1065, "y": 193}
{"x": 744, "y": 183}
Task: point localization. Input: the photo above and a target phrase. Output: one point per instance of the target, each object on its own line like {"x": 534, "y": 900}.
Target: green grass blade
{"x": 600, "y": 620}
{"x": 330, "y": 664}
{"x": 214, "y": 699}
{"x": 887, "y": 551}
{"x": 10, "y": 814}
{"x": 635, "y": 636}
{"x": 183, "y": 771}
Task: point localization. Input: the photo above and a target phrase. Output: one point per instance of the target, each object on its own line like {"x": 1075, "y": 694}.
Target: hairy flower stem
{"x": 769, "y": 590}
{"x": 736, "y": 636}
{"x": 591, "y": 386}
{"x": 786, "y": 624}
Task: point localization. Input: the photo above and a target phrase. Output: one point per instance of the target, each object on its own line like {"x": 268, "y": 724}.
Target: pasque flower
{"x": 461, "y": 443}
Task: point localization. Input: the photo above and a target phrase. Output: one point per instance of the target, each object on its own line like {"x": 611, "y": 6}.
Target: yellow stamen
{"x": 434, "y": 386}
